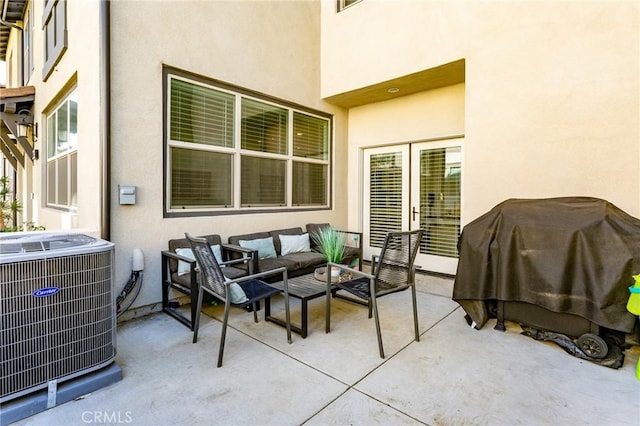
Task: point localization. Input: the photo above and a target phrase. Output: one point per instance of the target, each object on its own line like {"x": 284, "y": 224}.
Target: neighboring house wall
{"x": 267, "y": 47}
{"x": 550, "y": 92}
{"x": 78, "y": 68}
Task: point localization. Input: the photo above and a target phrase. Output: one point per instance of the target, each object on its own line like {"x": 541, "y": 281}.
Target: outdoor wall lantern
{"x": 23, "y": 123}
{"x": 25, "y": 120}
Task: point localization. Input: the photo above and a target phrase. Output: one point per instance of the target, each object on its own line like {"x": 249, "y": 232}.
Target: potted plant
{"x": 331, "y": 244}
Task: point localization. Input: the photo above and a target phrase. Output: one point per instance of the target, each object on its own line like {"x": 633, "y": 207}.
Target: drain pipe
{"x": 105, "y": 127}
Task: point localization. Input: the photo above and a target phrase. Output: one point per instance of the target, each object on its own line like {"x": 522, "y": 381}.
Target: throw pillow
{"x": 184, "y": 268}
{"x": 295, "y": 243}
{"x": 217, "y": 252}
{"x": 264, "y": 246}
{"x": 237, "y": 294}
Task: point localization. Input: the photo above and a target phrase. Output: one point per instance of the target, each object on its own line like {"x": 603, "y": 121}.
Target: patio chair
{"x": 392, "y": 271}
{"x": 239, "y": 292}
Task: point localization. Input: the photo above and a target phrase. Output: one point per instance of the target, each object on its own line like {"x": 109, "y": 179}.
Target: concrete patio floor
{"x": 455, "y": 375}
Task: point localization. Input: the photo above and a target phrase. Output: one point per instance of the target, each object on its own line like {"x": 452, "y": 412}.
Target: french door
{"x": 415, "y": 186}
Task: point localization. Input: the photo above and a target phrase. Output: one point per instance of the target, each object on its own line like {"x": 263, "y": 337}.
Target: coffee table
{"x": 303, "y": 287}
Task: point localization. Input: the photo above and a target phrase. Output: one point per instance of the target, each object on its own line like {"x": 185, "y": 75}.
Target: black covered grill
{"x": 559, "y": 264}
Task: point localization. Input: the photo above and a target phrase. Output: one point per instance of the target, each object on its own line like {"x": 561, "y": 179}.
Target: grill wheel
{"x": 593, "y": 345}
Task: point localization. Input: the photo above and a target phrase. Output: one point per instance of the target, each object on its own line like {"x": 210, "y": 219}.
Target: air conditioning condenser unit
{"x": 57, "y": 320}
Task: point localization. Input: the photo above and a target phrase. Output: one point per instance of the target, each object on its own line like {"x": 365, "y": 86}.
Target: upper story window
{"x": 231, "y": 150}
{"x": 54, "y": 27}
{"x": 343, "y": 4}
{"x": 62, "y": 154}
{"x": 27, "y": 41}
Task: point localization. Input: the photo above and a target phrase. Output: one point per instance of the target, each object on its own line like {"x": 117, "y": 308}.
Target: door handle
{"x": 414, "y": 213}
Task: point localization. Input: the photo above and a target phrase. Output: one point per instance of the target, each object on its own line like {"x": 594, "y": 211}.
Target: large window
{"x": 54, "y": 27}
{"x": 62, "y": 154}
{"x": 228, "y": 149}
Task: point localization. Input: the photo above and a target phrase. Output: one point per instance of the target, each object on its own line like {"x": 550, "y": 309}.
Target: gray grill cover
{"x": 571, "y": 255}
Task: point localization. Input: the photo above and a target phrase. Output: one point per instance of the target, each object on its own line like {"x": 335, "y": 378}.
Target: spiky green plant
{"x": 330, "y": 243}
{"x": 9, "y": 208}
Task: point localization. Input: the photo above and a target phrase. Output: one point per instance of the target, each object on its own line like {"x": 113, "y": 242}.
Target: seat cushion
{"x": 305, "y": 260}
{"x": 269, "y": 264}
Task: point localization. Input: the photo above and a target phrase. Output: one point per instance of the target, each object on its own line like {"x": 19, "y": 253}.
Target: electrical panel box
{"x": 127, "y": 194}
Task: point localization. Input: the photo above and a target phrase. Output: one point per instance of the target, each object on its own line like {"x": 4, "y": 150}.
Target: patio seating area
{"x": 454, "y": 375}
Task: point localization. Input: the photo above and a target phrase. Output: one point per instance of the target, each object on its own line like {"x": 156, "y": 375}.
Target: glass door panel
{"x": 386, "y": 195}
{"x": 435, "y": 203}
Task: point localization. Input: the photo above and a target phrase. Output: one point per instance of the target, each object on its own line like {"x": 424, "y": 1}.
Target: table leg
{"x": 302, "y": 330}
{"x": 304, "y": 318}
{"x": 267, "y": 308}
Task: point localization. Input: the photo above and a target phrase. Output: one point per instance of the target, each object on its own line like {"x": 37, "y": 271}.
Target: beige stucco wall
{"x": 435, "y": 114}
{"x": 550, "y": 105}
{"x": 551, "y": 97}
{"x": 271, "y": 47}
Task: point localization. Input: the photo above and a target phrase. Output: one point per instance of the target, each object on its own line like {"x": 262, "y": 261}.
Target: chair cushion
{"x": 294, "y": 244}
{"x": 264, "y": 246}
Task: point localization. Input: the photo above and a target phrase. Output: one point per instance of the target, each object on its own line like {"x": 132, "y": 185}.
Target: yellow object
{"x": 633, "y": 305}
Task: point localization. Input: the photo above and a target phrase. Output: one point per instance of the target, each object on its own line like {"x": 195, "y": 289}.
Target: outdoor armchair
{"x": 392, "y": 271}
{"x": 179, "y": 272}
{"x": 239, "y": 292}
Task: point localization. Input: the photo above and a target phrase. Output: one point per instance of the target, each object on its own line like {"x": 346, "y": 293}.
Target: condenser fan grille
{"x": 57, "y": 320}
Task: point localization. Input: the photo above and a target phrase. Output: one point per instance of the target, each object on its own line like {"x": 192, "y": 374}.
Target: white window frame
{"x": 27, "y": 41}
{"x": 237, "y": 152}
{"x": 68, "y": 157}
{"x": 54, "y": 31}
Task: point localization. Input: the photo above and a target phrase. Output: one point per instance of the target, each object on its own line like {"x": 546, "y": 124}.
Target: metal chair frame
{"x": 396, "y": 261}
{"x": 213, "y": 282}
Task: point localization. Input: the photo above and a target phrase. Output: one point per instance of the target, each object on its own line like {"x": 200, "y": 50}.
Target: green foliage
{"x": 9, "y": 209}
{"x": 330, "y": 243}
{"x": 29, "y": 226}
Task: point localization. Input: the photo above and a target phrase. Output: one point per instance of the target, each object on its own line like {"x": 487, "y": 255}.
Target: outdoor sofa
{"x": 293, "y": 248}
{"x": 247, "y": 254}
